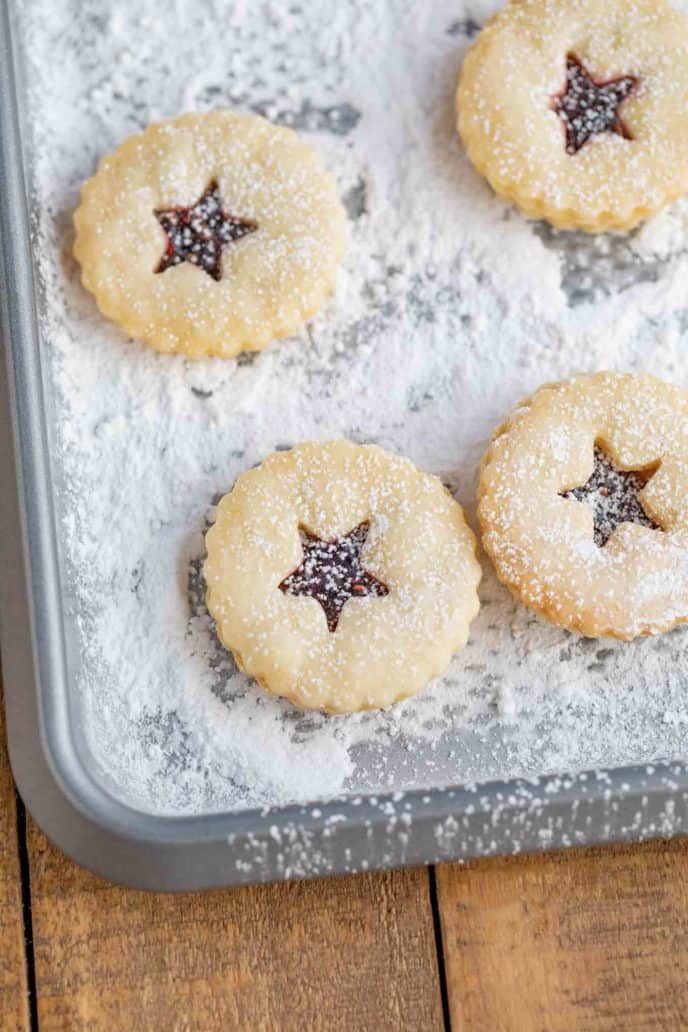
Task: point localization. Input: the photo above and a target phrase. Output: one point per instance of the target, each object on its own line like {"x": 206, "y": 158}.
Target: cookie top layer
{"x": 210, "y": 234}
{"x": 583, "y": 503}
{"x": 340, "y": 576}
{"x": 576, "y": 111}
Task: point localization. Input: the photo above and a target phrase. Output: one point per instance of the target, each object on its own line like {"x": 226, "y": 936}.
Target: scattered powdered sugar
{"x": 450, "y": 308}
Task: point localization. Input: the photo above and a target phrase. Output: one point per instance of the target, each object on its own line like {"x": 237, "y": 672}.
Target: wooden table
{"x": 588, "y": 941}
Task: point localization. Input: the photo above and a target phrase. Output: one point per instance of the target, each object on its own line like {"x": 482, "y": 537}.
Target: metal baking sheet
{"x": 55, "y": 773}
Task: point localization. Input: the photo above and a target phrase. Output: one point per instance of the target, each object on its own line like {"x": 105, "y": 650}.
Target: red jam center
{"x": 332, "y": 572}
{"x": 198, "y": 234}
{"x": 587, "y": 107}
{"x": 614, "y": 497}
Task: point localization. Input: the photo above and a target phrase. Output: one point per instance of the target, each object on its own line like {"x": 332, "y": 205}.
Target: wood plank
{"x": 346, "y": 953}
{"x": 593, "y": 940}
{"x": 14, "y": 1008}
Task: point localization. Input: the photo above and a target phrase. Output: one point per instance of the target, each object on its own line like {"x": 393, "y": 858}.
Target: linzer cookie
{"x": 210, "y": 234}
{"x": 341, "y": 577}
{"x": 576, "y": 111}
{"x": 583, "y": 503}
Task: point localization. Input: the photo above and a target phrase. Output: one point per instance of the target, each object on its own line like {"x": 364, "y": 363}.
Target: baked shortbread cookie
{"x": 210, "y": 234}
{"x": 574, "y": 109}
{"x": 341, "y": 577}
{"x": 583, "y": 504}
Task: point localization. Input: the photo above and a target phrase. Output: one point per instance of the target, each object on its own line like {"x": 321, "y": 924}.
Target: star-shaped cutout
{"x": 198, "y": 234}
{"x": 614, "y": 497}
{"x": 587, "y": 107}
{"x": 332, "y": 573}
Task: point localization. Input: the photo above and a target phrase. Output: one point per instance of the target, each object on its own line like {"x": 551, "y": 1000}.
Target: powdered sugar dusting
{"x": 450, "y": 308}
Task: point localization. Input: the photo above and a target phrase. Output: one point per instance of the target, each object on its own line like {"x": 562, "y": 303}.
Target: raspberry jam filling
{"x": 587, "y": 107}
{"x": 198, "y": 234}
{"x": 614, "y": 497}
{"x": 332, "y": 572}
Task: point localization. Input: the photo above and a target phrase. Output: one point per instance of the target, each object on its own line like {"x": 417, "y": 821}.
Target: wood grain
{"x": 347, "y": 953}
{"x": 14, "y": 1011}
{"x": 593, "y": 940}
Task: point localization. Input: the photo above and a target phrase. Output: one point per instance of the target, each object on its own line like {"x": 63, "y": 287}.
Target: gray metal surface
{"x": 153, "y": 852}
